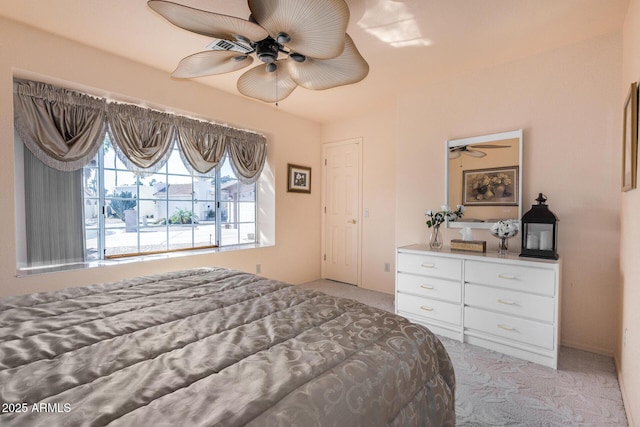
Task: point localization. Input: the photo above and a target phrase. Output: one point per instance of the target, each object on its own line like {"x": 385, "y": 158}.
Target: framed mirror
{"x": 484, "y": 173}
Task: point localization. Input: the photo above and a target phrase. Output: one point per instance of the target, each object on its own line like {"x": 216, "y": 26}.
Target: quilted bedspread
{"x": 213, "y": 346}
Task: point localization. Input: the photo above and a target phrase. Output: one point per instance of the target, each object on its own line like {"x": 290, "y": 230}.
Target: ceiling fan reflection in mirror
{"x": 455, "y": 152}
{"x": 300, "y": 43}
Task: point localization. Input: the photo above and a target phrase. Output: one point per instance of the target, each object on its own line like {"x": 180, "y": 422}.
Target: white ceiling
{"x": 405, "y": 42}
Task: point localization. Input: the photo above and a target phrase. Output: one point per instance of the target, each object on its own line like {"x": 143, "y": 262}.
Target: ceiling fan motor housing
{"x": 267, "y": 50}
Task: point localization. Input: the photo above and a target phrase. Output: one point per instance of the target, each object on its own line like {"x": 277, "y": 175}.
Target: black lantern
{"x": 539, "y": 231}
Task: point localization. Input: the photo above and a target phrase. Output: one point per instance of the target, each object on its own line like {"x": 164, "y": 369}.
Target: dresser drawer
{"x": 536, "y": 307}
{"x": 430, "y": 309}
{"x": 445, "y": 268}
{"x": 430, "y": 287}
{"x": 516, "y": 277}
{"x": 509, "y": 327}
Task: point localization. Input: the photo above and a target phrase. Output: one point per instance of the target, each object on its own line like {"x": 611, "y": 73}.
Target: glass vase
{"x": 435, "y": 239}
{"x": 503, "y": 246}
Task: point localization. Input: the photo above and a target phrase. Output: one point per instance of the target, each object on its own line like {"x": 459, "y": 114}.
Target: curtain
{"x": 247, "y": 155}
{"x": 62, "y": 128}
{"x": 53, "y": 214}
{"x": 143, "y": 138}
{"x": 65, "y": 129}
{"x": 202, "y": 145}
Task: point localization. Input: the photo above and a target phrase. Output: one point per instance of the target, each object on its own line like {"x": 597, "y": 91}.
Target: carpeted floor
{"x": 498, "y": 390}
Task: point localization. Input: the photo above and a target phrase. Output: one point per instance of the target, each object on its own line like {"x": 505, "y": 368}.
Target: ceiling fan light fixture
{"x": 298, "y": 57}
{"x": 283, "y": 38}
{"x": 271, "y": 67}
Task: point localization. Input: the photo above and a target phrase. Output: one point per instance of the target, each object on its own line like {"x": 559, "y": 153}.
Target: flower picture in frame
{"x": 630, "y": 139}
{"x": 299, "y": 179}
{"x": 490, "y": 187}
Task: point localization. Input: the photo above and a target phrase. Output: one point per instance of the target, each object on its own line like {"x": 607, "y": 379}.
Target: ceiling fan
{"x": 299, "y": 42}
{"x": 455, "y": 152}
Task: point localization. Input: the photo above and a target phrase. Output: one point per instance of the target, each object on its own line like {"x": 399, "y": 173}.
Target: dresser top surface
{"x": 486, "y": 256}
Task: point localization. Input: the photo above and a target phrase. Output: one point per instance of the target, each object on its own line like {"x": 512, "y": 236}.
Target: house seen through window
{"x": 126, "y": 214}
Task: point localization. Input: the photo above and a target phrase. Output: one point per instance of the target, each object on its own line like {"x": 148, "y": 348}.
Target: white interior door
{"x": 341, "y": 219}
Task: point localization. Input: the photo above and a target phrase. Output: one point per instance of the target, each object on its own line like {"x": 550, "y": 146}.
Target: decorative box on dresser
{"x": 507, "y": 304}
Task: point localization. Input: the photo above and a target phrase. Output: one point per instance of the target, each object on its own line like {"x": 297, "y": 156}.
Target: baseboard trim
{"x": 591, "y": 349}
{"x": 623, "y": 392}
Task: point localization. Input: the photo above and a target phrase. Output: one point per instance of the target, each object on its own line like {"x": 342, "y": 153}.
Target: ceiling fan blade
{"x": 318, "y": 74}
{"x": 474, "y": 153}
{"x": 454, "y": 154}
{"x": 210, "y": 62}
{"x": 207, "y": 23}
{"x": 268, "y": 87}
{"x": 317, "y": 27}
{"x": 490, "y": 146}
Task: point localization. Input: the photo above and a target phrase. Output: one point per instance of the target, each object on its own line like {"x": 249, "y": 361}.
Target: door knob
{"x": 353, "y": 221}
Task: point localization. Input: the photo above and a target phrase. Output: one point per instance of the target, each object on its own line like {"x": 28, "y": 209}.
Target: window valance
{"x": 247, "y": 158}
{"x": 142, "y": 138}
{"x": 202, "y": 145}
{"x": 64, "y": 129}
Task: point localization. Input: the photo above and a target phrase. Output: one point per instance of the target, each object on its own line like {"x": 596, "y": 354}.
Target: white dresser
{"x": 507, "y": 304}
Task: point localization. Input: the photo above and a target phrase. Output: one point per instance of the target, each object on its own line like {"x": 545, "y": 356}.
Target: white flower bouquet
{"x": 437, "y": 218}
{"x": 505, "y": 229}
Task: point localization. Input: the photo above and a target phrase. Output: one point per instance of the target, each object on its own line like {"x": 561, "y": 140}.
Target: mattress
{"x": 214, "y": 346}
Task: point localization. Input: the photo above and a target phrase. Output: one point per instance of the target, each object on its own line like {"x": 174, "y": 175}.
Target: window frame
{"x": 101, "y": 227}
{"x": 263, "y": 184}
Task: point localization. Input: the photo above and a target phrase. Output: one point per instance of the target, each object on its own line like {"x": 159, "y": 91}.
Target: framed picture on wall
{"x": 299, "y": 178}
{"x": 490, "y": 187}
{"x": 630, "y": 139}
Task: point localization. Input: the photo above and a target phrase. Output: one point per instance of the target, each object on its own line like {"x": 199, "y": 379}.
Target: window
{"x": 169, "y": 210}
{"x": 99, "y": 180}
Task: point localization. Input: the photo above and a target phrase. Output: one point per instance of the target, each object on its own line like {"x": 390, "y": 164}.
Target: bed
{"x": 213, "y": 346}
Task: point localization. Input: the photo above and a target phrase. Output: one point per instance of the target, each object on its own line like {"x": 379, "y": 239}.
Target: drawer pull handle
{"x": 425, "y": 308}
{"x": 507, "y": 276}
{"x": 426, "y": 287}
{"x": 506, "y": 328}
{"x": 427, "y": 265}
{"x": 506, "y": 302}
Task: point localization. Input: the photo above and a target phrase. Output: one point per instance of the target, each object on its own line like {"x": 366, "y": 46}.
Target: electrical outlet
{"x": 387, "y": 267}
{"x": 258, "y": 268}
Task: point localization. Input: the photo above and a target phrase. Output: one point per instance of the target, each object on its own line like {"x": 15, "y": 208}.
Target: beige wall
{"x": 567, "y": 102}
{"x": 628, "y": 354}
{"x": 294, "y": 258}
